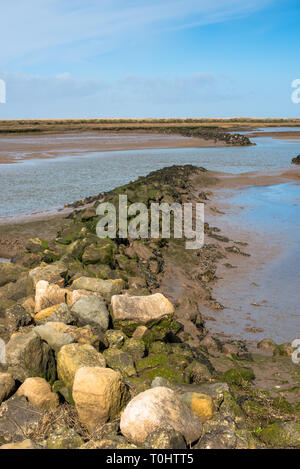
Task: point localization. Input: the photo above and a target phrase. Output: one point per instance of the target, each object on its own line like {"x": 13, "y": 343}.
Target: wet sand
{"x": 260, "y": 292}
{"x": 257, "y": 178}
{"x": 284, "y": 135}
{"x": 18, "y": 148}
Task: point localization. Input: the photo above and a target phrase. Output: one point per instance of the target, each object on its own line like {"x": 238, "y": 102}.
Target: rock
{"x": 9, "y": 272}
{"x": 57, "y": 313}
{"x": 64, "y": 438}
{"x": 74, "y": 356}
{"x": 220, "y": 433}
{"x": 254, "y": 409}
{"x": 15, "y": 317}
{"x": 91, "y": 311}
{"x": 35, "y": 245}
{"x": 296, "y": 160}
{"x": 75, "y": 295}
{"x": 267, "y": 344}
{"x": 135, "y": 348}
{"x": 216, "y": 390}
{"x": 198, "y": 372}
{"x": 87, "y": 214}
{"x": 75, "y": 249}
{"x": 83, "y": 335}
{"x": 210, "y": 344}
{"x": 56, "y": 340}
{"x": 52, "y": 273}
{"x": 158, "y": 409}
{"x": 107, "y": 288}
{"x": 39, "y": 394}
{"x": 18, "y": 418}
{"x": 200, "y": 404}
{"x": 283, "y": 350}
{"x": 141, "y": 332}
{"x": 165, "y": 439}
{"x": 27, "y": 356}
{"x": 229, "y": 349}
{"x": 281, "y": 435}
{"x": 7, "y": 386}
{"x": 94, "y": 254}
{"x": 29, "y": 305}
{"x": 25, "y": 444}
{"x": 128, "y": 312}
{"x": 115, "y": 338}
{"x": 47, "y": 295}
{"x": 239, "y": 376}
{"x": 99, "y": 394}
{"x": 119, "y": 360}
{"x": 230, "y": 409}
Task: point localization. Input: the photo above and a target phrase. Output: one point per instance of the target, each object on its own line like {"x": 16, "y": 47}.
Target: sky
{"x": 149, "y": 58}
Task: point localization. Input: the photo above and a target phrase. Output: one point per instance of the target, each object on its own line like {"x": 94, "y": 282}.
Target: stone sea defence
{"x": 106, "y": 347}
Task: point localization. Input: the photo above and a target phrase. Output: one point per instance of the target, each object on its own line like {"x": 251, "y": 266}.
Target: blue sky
{"x": 149, "y": 58}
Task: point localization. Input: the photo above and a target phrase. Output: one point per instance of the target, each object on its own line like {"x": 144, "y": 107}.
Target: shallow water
{"x": 41, "y": 184}
{"x": 269, "y": 281}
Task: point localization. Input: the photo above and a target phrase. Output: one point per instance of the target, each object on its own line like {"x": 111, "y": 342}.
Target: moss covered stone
{"x": 64, "y": 438}
{"x": 120, "y": 361}
{"x": 94, "y": 254}
{"x": 281, "y": 435}
{"x": 135, "y": 348}
{"x": 239, "y": 376}
{"x": 254, "y": 409}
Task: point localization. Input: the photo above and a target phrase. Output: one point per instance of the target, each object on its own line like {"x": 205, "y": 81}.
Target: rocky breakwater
{"x": 208, "y": 133}
{"x": 296, "y": 160}
{"x": 99, "y": 353}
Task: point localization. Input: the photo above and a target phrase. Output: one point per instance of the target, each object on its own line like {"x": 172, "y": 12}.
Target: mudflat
{"x": 16, "y": 148}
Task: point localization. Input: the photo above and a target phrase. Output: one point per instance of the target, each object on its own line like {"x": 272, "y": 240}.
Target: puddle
{"x": 261, "y": 295}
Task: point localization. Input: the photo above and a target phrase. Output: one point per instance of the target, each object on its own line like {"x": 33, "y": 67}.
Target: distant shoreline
{"x": 16, "y": 148}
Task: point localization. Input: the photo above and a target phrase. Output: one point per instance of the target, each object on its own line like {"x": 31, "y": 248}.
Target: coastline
{"x": 185, "y": 354}
{"x": 16, "y": 148}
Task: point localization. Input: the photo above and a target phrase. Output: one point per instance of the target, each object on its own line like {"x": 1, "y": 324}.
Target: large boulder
{"x": 74, "y": 356}
{"x": 99, "y": 395}
{"x": 47, "y": 295}
{"x": 91, "y": 311}
{"x": 107, "y": 288}
{"x": 75, "y": 295}
{"x": 18, "y": 418}
{"x": 55, "y": 339}
{"x": 28, "y": 356}
{"x": 7, "y": 385}
{"x": 129, "y": 312}
{"x": 52, "y": 273}
{"x": 39, "y": 394}
{"x": 157, "y": 409}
